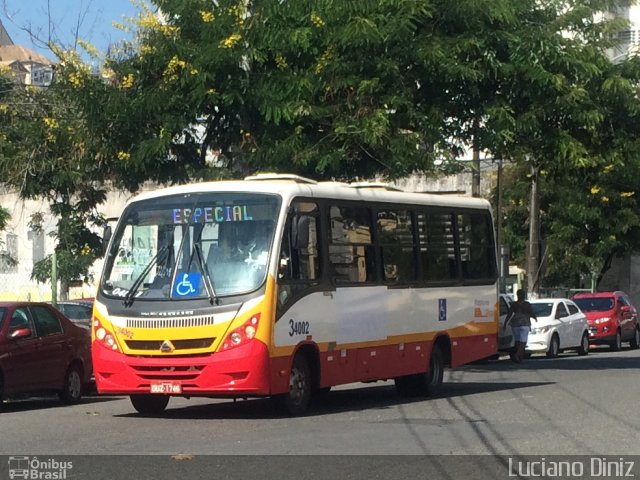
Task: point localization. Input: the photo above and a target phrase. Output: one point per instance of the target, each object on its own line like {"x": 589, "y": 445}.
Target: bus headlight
{"x": 243, "y": 334}
{"x": 104, "y": 336}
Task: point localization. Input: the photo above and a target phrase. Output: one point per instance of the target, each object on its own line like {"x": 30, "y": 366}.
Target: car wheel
{"x": 72, "y": 390}
{"x": 554, "y": 347}
{"x": 296, "y": 401}
{"x": 584, "y": 345}
{"x": 616, "y": 346}
{"x": 635, "y": 340}
{"x": 148, "y": 404}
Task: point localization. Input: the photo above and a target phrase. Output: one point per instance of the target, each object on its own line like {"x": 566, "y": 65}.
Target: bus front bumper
{"x": 240, "y": 371}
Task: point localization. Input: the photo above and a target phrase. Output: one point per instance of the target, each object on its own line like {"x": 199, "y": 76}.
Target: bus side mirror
{"x": 106, "y": 236}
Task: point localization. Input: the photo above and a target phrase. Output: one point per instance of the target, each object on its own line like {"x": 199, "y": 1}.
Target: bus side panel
{"x": 389, "y": 330}
{"x": 338, "y": 367}
{"x": 469, "y": 349}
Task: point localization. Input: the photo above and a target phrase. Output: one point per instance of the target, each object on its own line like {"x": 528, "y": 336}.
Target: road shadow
{"x": 42, "y": 403}
{"x": 338, "y": 401}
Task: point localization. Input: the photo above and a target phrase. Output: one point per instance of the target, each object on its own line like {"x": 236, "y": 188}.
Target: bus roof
{"x": 289, "y": 186}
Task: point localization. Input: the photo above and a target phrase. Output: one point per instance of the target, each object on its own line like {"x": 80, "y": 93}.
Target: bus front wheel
{"x": 296, "y": 400}
{"x": 148, "y": 404}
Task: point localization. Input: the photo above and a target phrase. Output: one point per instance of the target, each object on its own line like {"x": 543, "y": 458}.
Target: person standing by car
{"x": 520, "y": 314}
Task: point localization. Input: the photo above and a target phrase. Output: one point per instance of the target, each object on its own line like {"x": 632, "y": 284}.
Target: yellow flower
{"x": 86, "y": 250}
{"x": 281, "y": 62}
{"x": 604, "y": 199}
{"x": 608, "y": 168}
{"x": 175, "y": 64}
{"x": 627, "y": 194}
{"x": 324, "y": 59}
{"x": 316, "y": 20}
{"x": 127, "y": 81}
{"x": 207, "y": 17}
{"x": 612, "y": 237}
{"x": 146, "y": 49}
{"x": 194, "y": 71}
{"x": 230, "y": 41}
{"x": 212, "y": 91}
{"x": 123, "y": 155}
{"x": 594, "y": 190}
{"x": 50, "y": 123}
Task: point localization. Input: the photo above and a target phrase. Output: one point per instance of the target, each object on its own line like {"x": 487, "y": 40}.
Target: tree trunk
{"x": 475, "y": 178}
{"x": 533, "y": 257}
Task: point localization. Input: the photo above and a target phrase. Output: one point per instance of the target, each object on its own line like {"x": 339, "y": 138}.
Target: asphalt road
{"x": 566, "y": 406}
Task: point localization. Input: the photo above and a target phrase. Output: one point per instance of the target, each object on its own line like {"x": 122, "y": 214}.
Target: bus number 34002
{"x": 298, "y": 328}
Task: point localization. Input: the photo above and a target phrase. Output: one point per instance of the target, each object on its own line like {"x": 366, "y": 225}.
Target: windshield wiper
{"x": 130, "y": 297}
{"x": 208, "y": 282}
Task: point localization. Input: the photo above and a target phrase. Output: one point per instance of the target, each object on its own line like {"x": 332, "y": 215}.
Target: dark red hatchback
{"x": 42, "y": 351}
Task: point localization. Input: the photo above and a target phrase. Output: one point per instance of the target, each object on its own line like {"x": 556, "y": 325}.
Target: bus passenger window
{"x": 437, "y": 246}
{"x": 351, "y": 252}
{"x": 476, "y": 246}
{"x": 395, "y": 231}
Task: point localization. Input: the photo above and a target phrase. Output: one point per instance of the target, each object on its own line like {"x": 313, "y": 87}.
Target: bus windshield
{"x": 190, "y": 246}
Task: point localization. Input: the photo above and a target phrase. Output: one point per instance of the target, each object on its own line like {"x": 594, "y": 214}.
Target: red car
{"x": 612, "y": 318}
{"x": 42, "y": 351}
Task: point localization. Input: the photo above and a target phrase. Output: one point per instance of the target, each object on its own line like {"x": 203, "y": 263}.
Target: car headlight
{"x": 544, "y": 329}
{"x": 599, "y": 321}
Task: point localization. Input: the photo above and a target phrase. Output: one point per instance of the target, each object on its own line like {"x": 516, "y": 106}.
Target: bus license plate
{"x": 166, "y": 387}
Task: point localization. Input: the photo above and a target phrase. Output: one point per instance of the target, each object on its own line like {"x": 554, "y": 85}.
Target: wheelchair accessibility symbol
{"x": 442, "y": 309}
{"x": 187, "y": 284}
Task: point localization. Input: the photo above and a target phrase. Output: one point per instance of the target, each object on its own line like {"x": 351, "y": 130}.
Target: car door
{"x": 623, "y": 308}
{"x": 577, "y": 323}
{"x": 54, "y": 347}
{"x": 21, "y": 365}
{"x": 564, "y": 324}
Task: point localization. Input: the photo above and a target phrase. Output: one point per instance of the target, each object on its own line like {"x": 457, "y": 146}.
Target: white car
{"x": 561, "y": 326}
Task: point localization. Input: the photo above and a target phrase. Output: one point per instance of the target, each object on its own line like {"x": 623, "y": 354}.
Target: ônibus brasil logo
{"x": 33, "y": 468}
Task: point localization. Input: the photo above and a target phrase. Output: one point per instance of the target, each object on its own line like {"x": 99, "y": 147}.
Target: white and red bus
{"x": 281, "y": 286}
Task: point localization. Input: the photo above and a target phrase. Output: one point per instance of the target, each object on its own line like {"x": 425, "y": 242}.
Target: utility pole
{"x": 501, "y": 250}
{"x": 475, "y": 177}
{"x": 54, "y": 279}
{"x": 533, "y": 257}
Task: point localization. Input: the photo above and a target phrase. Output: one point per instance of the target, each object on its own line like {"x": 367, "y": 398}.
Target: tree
{"x": 49, "y": 152}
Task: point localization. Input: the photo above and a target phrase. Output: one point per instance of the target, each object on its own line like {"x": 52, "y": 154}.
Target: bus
{"x": 281, "y": 286}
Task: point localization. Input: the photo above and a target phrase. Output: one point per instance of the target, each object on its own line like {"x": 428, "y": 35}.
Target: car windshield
{"x": 190, "y": 246}
{"x": 542, "y": 309}
{"x": 595, "y": 304}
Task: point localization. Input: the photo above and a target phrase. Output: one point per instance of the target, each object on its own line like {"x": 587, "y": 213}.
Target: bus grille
{"x": 176, "y": 322}
{"x": 177, "y": 344}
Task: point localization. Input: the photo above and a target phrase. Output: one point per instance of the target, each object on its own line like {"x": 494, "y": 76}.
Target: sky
{"x": 96, "y": 21}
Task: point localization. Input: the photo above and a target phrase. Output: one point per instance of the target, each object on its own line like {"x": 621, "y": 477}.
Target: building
{"x": 28, "y": 67}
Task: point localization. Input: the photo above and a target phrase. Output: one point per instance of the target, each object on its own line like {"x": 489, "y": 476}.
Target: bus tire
{"x": 435, "y": 375}
{"x": 148, "y": 404}
{"x": 427, "y": 383}
{"x": 296, "y": 401}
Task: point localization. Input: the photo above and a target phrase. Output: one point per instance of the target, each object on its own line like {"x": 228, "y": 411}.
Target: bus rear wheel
{"x": 148, "y": 404}
{"x": 428, "y": 383}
